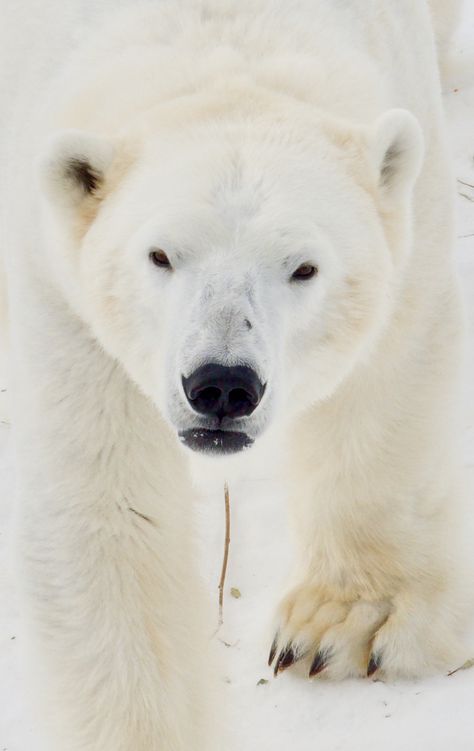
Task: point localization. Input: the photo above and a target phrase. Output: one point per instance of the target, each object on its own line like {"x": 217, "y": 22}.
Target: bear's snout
{"x": 224, "y": 392}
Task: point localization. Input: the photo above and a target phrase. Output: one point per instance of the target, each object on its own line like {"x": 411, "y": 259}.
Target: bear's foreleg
{"x": 381, "y": 583}
{"x": 113, "y": 605}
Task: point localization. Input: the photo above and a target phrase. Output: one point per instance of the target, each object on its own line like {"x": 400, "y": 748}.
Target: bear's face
{"x": 240, "y": 273}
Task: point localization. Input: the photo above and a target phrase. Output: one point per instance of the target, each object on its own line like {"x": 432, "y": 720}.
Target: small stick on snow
{"x": 226, "y": 554}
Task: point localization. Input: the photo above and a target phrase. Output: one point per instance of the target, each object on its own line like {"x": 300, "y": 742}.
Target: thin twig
{"x": 226, "y": 554}
{"x": 142, "y": 516}
{"x": 468, "y": 198}
{"x": 465, "y": 666}
{"x": 468, "y": 185}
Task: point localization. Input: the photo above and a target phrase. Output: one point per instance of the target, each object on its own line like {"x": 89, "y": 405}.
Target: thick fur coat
{"x": 246, "y": 141}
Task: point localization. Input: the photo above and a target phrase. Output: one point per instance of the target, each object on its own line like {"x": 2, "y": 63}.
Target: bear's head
{"x": 238, "y": 270}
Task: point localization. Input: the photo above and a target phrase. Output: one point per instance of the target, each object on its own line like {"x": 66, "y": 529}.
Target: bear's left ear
{"x": 74, "y": 168}
{"x": 395, "y": 144}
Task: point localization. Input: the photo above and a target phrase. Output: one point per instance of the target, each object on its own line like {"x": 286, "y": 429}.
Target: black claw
{"x": 286, "y": 658}
{"x": 374, "y": 664}
{"x": 273, "y": 650}
{"x": 319, "y": 663}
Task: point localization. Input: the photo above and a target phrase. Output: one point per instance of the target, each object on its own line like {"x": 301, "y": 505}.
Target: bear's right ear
{"x": 395, "y": 145}
{"x": 74, "y": 168}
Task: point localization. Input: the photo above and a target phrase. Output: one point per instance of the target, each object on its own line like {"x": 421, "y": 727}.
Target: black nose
{"x": 216, "y": 390}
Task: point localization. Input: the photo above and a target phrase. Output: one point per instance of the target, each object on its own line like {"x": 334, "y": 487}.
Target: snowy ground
{"x": 431, "y": 715}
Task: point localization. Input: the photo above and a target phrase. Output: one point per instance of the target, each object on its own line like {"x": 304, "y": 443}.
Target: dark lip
{"x": 207, "y": 441}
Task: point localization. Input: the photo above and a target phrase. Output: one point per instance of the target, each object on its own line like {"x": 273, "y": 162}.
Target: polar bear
{"x": 239, "y": 236}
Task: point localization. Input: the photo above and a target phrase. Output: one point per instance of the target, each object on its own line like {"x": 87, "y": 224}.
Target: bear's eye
{"x": 159, "y": 258}
{"x": 304, "y": 272}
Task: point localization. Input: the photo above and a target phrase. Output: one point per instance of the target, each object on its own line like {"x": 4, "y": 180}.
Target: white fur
{"x": 445, "y": 14}
{"x": 243, "y": 139}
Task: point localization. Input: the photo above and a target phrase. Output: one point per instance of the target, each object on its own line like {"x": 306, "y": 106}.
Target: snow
{"x": 289, "y": 712}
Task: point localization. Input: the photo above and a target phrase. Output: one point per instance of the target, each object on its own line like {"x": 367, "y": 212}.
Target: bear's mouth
{"x": 215, "y": 441}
